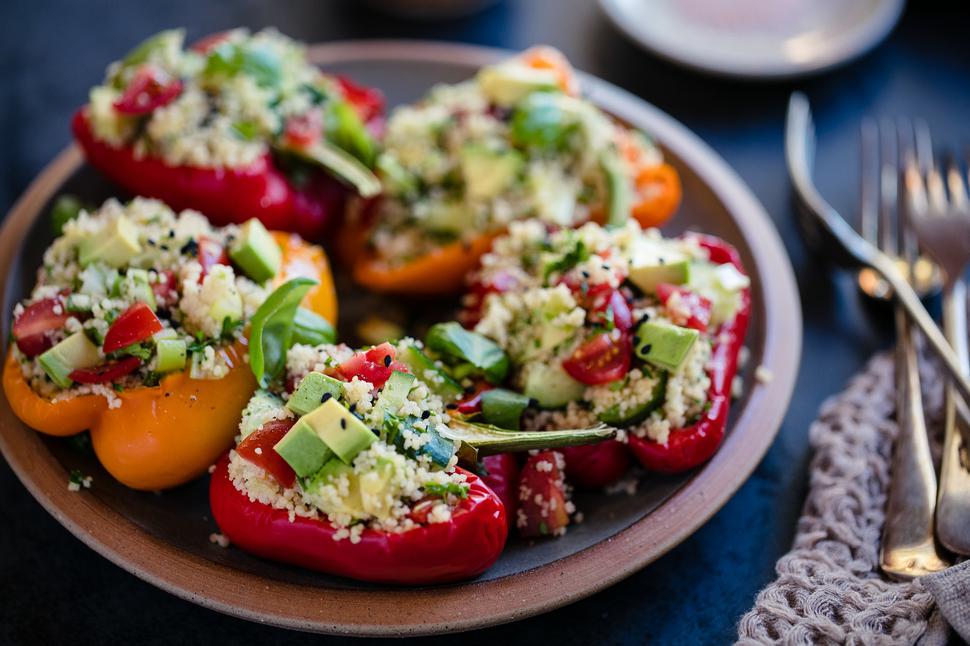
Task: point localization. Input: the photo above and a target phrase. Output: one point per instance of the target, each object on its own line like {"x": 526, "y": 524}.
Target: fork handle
{"x": 953, "y": 503}
{"x": 908, "y": 547}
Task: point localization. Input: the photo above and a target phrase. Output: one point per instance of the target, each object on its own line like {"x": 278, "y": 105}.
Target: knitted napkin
{"x": 829, "y": 587}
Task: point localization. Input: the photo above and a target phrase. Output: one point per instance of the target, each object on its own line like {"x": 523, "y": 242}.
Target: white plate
{"x": 756, "y": 38}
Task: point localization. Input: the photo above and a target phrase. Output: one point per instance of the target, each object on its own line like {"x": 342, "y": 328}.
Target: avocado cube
{"x": 665, "y": 345}
{"x": 551, "y": 386}
{"x": 74, "y": 352}
{"x": 115, "y": 246}
{"x": 486, "y": 172}
{"x": 648, "y": 275}
{"x": 508, "y": 83}
{"x": 395, "y": 392}
{"x": 314, "y": 389}
{"x": 340, "y": 429}
{"x": 172, "y": 354}
{"x": 333, "y": 470}
{"x": 374, "y": 489}
{"x": 255, "y": 251}
{"x": 303, "y": 449}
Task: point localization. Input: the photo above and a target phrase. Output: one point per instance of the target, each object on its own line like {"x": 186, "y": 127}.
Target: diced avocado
{"x": 619, "y": 189}
{"x": 664, "y": 345}
{"x": 395, "y": 392}
{"x": 339, "y": 429}
{"x": 334, "y": 469}
{"x": 115, "y": 246}
{"x": 314, "y": 389}
{"x": 303, "y": 449}
{"x": 550, "y": 386}
{"x": 136, "y": 287}
{"x": 74, "y": 352}
{"x": 636, "y": 414}
{"x": 648, "y": 276}
{"x": 508, "y": 83}
{"x": 255, "y": 251}
{"x": 445, "y": 216}
{"x": 374, "y": 487}
{"x": 487, "y": 173}
{"x": 503, "y": 408}
{"x": 309, "y": 328}
{"x": 425, "y": 368}
{"x": 172, "y": 354}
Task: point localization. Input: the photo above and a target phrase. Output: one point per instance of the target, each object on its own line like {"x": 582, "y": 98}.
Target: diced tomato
{"x": 502, "y": 476}
{"x": 595, "y": 466}
{"x": 367, "y": 101}
{"x": 257, "y": 447}
{"x": 135, "y": 324}
{"x": 696, "y": 307}
{"x": 542, "y": 496}
{"x": 210, "y": 254}
{"x": 422, "y": 509}
{"x": 205, "y": 44}
{"x": 303, "y": 131}
{"x": 149, "y": 90}
{"x": 106, "y": 372}
{"x": 474, "y": 301}
{"x": 32, "y": 328}
{"x": 613, "y": 309}
{"x": 473, "y": 402}
{"x": 166, "y": 289}
{"x": 602, "y": 359}
{"x": 374, "y": 365}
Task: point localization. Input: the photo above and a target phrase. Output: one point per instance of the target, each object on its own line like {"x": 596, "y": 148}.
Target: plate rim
{"x": 867, "y": 37}
{"x": 445, "y": 608}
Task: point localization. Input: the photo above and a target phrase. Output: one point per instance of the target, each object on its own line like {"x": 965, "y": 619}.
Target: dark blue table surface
{"x": 53, "y": 589}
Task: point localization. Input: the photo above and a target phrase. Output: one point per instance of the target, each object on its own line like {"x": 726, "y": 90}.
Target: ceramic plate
{"x": 756, "y": 38}
{"x": 164, "y": 539}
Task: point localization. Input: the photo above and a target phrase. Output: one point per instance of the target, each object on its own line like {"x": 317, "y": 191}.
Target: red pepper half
{"x": 225, "y": 195}
{"x": 461, "y": 548}
{"x": 688, "y": 447}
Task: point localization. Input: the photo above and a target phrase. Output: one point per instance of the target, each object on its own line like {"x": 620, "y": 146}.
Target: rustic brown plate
{"x": 164, "y": 538}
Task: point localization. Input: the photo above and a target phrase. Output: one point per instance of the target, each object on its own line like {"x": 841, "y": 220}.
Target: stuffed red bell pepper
{"x": 238, "y": 126}
{"x": 347, "y": 461}
{"x": 619, "y": 326}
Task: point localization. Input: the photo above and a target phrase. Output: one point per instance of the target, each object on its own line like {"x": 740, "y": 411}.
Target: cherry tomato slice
{"x": 206, "y": 44}
{"x": 166, "y": 289}
{"x": 149, "y": 90}
{"x": 368, "y": 102}
{"x": 106, "y": 372}
{"x": 602, "y": 359}
{"x": 135, "y": 324}
{"x": 473, "y": 403}
{"x": 32, "y": 328}
{"x": 502, "y": 477}
{"x": 542, "y": 496}
{"x": 304, "y": 130}
{"x": 696, "y": 308}
{"x": 257, "y": 447}
{"x": 210, "y": 254}
{"x": 474, "y": 301}
{"x": 374, "y": 365}
{"x": 595, "y": 466}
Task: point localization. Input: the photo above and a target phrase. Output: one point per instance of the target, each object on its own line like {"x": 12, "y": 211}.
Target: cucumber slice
{"x": 637, "y": 414}
{"x": 172, "y": 354}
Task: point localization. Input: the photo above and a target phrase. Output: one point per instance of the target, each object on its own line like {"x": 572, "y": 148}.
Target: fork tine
{"x": 954, "y": 183}
{"x": 935, "y": 188}
{"x": 888, "y": 187}
{"x": 869, "y": 171}
{"x": 916, "y": 200}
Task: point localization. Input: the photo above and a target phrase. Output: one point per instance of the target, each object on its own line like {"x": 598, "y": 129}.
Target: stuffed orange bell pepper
{"x": 517, "y": 142}
{"x": 137, "y": 330}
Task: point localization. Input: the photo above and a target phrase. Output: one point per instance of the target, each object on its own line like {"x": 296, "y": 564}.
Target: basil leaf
{"x": 271, "y": 329}
{"x": 309, "y": 328}
{"x": 541, "y": 123}
{"x": 454, "y": 341}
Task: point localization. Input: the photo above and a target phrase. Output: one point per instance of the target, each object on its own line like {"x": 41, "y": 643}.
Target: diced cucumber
{"x": 636, "y": 414}
{"x": 256, "y": 252}
{"x": 504, "y": 408}
{"x": 394, "y": 393}
{"x": 172, "y": 354}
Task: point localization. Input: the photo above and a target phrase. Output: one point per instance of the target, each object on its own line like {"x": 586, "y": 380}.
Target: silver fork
{"x": 845, "y": 243}
{"x": 940, "y": 214}
{"x": 908, "y": 546}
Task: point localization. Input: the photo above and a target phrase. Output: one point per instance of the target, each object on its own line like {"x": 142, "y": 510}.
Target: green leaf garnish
{"x": 458, "y": 344}
{"x": 271, "y": 329}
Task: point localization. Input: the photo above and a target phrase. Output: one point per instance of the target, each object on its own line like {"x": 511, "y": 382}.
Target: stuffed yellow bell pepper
{"x": 138, "y": 330}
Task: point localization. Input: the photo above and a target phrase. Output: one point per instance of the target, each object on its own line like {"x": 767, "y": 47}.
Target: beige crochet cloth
{"x": 829, "y": 588}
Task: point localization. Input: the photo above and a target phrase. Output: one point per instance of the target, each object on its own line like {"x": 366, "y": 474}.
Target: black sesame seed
{"x": 190, "y": 248}
{"x": 533, "y": 402}
{"x": 662, "y": 260}
{"x": 606, "y": 267}
{"x": 426, "y": 414}
{"x": 387, "y": 360}
{"x": 325, "y": 397}
{"x": 585, "y": 274}
{"x": 151, "y": 242}
{"x": 343, "y": 422}
{"x": 636, "y": 339}
{"x": 646, "y": 348}
{"x": 171, "y": 233}
{"x": 643, "y": 319}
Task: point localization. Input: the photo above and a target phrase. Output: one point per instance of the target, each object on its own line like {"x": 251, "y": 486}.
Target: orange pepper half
{"x": 658, "y": 194}
{"x": 165, "y": 436}
{"x": 439, "y": 272}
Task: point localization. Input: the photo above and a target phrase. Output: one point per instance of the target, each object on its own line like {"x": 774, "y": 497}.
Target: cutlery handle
{"x": 908, "y": 546}
{"x": 953, "y": 503}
